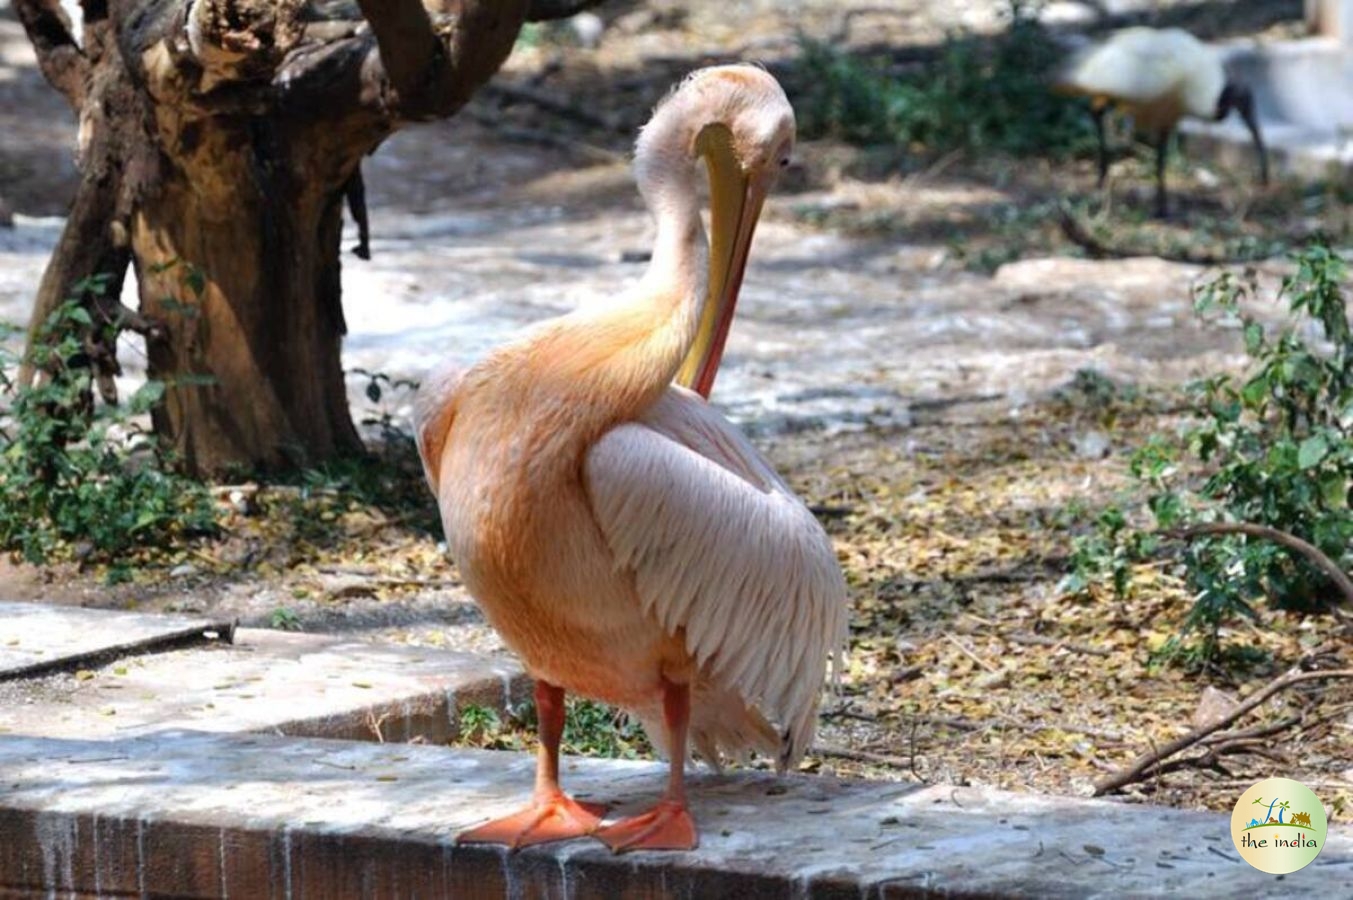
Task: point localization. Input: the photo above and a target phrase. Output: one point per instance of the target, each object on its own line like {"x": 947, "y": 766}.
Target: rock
{"x": 1091, "y": 445}
{"x": 1212, "y": 707}
{"x": 587, "y": 28}
{"x": 1064, "y": 13}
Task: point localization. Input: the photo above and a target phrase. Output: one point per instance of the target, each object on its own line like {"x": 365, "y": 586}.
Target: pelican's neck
{"x": 674, "y": 286}
{"x": 613, "y": 361}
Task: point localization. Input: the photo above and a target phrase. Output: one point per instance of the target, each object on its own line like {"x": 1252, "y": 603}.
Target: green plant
{"x": 387, "y": 479}
{"x": 978, "y": 94}
{"x": 378, "y": 385}
{"x": 590, "y": 729}
{"x": 75, "y": 480}
{"x": 480, "y": 725}
{"x": 595, "y": 729}
{"x": 1275, "y": 451}
{"x": 284, "y": 618}
{"x": 1109, "y": 551}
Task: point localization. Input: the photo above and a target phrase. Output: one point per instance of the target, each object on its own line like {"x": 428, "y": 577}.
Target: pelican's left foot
{"x": 667, "y": 826}
{"x": 552, "y": 817}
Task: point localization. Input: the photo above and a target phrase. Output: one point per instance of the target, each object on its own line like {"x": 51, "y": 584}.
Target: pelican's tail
{"x": 722, "y": 727}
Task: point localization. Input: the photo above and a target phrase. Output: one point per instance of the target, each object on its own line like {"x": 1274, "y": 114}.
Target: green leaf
{"x": 1334, "y": 490}
{"x": 194, "y": 379}
{"x": 1254, "y": 338}
{"x": 196, "y": 280}
{"x": 146, "y": 396}
{"x": 1312, "y": 451}
{"x": 1255, "y": 391}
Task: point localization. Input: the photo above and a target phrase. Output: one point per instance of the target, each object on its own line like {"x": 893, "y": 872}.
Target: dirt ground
{"x": 903, "y": 353}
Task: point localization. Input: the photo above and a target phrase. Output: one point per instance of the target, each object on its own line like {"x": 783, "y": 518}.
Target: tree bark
{"x": 237, "y": 254}
{"x": 111, "y": 122}
{"x": 218, "y": 138}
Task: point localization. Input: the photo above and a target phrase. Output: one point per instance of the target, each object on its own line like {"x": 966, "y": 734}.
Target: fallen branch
{"x": 517, "y": 93}
{"x": 1257, "y": 731}
{"x": 1290, "y": 541}
{"x": 864, "y": 756}
{"x": 369, "y": 586}
{"x": 1039, "y": 640}
{"x": 829, "y": 511}
{"x": 966, "y": 724}
{"x": 1147, "y": 764}
{"x": 1247, "y": 782}
{"x": 545, "y": 138}
{"x": 1080, "y": 236}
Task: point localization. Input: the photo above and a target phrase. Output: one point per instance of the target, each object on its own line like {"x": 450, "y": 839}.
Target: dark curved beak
{"x": 1241, "y": 99}
{"x": 1246, "y": 110}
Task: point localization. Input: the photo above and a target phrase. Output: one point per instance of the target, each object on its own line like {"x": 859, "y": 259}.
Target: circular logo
{"x": 1278, "y": 826}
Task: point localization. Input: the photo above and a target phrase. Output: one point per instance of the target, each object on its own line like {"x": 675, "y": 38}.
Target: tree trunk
{"x": 237, "y": 254}
{"x": 217, "y": 140}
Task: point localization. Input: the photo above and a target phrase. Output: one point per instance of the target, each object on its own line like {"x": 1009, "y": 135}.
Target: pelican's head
{"x": 738, "y": 120}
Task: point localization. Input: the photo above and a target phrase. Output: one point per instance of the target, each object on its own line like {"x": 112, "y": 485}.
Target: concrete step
{"x": 192, "y": 814}
{"x": 35, "y": 638}
{"x": 265, "y": 681}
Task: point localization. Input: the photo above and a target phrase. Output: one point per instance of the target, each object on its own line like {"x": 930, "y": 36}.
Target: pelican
{"x": 1158, "y": 76}
{"x": 627, "y": 542}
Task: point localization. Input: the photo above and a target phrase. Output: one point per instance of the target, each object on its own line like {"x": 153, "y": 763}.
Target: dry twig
{"x": 966, "y": 724}
{"x": 507, "y": 93}
{"x": 971, "y": 655}
{"x": 1039, "y": 640}
{"x": 545, "y": 138}
{"x": 1081, "y": 237}
{"x": 864, "y": 756}
{"x": 1150, "y": 763}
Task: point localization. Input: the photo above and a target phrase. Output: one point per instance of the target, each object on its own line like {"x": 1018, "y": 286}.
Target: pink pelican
{"x": 627, "y": 542}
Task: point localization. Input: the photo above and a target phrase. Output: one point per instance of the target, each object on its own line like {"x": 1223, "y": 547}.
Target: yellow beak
{"x": 735, "y": 206}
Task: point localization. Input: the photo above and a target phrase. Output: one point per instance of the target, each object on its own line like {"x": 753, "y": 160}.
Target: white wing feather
{"x": 1145, "y": 66}
{"x": 433, "y": 410}
{"x": 719, "y": 547}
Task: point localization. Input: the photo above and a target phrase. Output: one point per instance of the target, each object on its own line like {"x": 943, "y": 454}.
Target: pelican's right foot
{"x": 555, "y": 818}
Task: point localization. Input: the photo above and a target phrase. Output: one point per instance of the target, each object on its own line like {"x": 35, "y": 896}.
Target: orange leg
{"x": 552, "y": 814}
{"x": 667, "y": 826}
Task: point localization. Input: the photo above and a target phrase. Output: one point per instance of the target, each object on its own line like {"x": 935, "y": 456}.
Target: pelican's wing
{"x": 434, "y": 408}
{"x": 721, "y": 550}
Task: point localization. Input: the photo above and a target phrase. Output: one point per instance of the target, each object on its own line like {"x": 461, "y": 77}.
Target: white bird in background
{"x": 1158, "y": 77}
{"x": 625, "y": 539}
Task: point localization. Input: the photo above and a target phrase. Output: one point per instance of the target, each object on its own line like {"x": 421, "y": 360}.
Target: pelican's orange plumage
{"x": 626, "y": 541}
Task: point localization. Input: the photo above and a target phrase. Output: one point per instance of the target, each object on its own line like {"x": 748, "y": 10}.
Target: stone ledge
{"x": 36, "y": 638}
{"x": 215, "y": 815}
{"x": 300, "y": 685}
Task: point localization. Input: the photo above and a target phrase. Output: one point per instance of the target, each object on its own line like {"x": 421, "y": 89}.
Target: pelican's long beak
{"x": 735, "y": 205}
